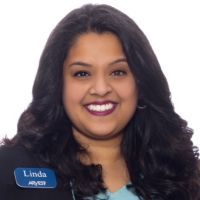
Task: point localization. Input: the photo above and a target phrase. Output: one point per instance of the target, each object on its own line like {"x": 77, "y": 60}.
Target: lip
{"x": 101, "y": 102}
{"x": 101, "y": 113}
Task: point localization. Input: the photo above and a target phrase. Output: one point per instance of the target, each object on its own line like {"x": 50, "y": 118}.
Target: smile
{"x": 101, "y": 109}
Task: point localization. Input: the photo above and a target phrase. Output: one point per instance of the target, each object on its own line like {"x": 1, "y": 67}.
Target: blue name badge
{"x": 35, "y": 178}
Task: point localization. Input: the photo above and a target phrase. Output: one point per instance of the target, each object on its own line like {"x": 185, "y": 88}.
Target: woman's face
{"x": 99, "y": 93}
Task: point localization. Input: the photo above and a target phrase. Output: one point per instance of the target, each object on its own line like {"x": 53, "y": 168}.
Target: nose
{"x": 100, "y": 86}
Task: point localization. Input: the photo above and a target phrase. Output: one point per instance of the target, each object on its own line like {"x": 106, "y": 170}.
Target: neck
{"x": 100, "y": 151}
{"x": 105, "y": 152}
{"x": 108, "y": 154}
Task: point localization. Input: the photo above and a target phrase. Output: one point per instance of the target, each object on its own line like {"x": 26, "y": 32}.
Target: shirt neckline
{"x": 119, "y": 190}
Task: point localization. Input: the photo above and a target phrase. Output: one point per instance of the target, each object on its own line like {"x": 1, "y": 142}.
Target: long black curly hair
{"x": 162, "y": 162}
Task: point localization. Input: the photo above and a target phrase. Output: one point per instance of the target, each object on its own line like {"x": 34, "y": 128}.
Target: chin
{"x": 94, "y": 134}
{"x": 102, "y": 135}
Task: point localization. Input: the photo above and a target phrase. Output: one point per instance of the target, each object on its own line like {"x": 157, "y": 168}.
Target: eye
{"x": 119, "y": 73}
{"x": 81, "y": 74}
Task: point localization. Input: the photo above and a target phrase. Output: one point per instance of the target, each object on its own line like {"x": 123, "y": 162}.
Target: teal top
{"x": 121, "y": 194}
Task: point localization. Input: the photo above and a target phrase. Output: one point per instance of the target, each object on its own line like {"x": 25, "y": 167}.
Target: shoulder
{"x": 19, "y": 157}
{"x": 12, "y": 156}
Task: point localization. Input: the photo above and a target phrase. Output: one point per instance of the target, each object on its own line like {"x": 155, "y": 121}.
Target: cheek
{"x": 70, "y": 99}
{"x": 69, "y": 96}
{"x": 128, "y": 91}
{"x": 129, "y": 101}
{"x": 73, "y": 93}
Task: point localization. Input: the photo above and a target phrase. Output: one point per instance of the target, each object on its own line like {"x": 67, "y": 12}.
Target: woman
{"x": 101, "y": 124}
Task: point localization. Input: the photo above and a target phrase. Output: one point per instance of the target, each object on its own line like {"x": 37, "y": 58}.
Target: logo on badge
{"x": 35, "y": 178}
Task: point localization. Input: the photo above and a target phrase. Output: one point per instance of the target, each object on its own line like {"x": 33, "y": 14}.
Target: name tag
{"x": 35, "y": 178}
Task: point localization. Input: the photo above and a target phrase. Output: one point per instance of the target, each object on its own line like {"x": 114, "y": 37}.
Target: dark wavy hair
{"x": 162, "y": 162}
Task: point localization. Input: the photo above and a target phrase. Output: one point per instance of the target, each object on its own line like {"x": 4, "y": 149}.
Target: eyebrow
{"x": 80, "y": 63}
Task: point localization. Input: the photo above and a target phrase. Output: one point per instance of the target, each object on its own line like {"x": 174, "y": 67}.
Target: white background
{"x": 172, "y": 26}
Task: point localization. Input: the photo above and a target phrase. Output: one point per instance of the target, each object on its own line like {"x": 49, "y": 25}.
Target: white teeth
{"x": 100, "y": 108}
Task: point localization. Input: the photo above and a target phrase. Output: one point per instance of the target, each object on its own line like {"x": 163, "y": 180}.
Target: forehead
{"x": 96, "y": 45}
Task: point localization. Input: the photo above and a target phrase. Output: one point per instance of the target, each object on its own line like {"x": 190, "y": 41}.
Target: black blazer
{"x": 14, "y": 157}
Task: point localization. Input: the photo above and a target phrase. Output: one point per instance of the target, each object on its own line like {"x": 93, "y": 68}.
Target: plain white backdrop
{"x": 172, "y": 27}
